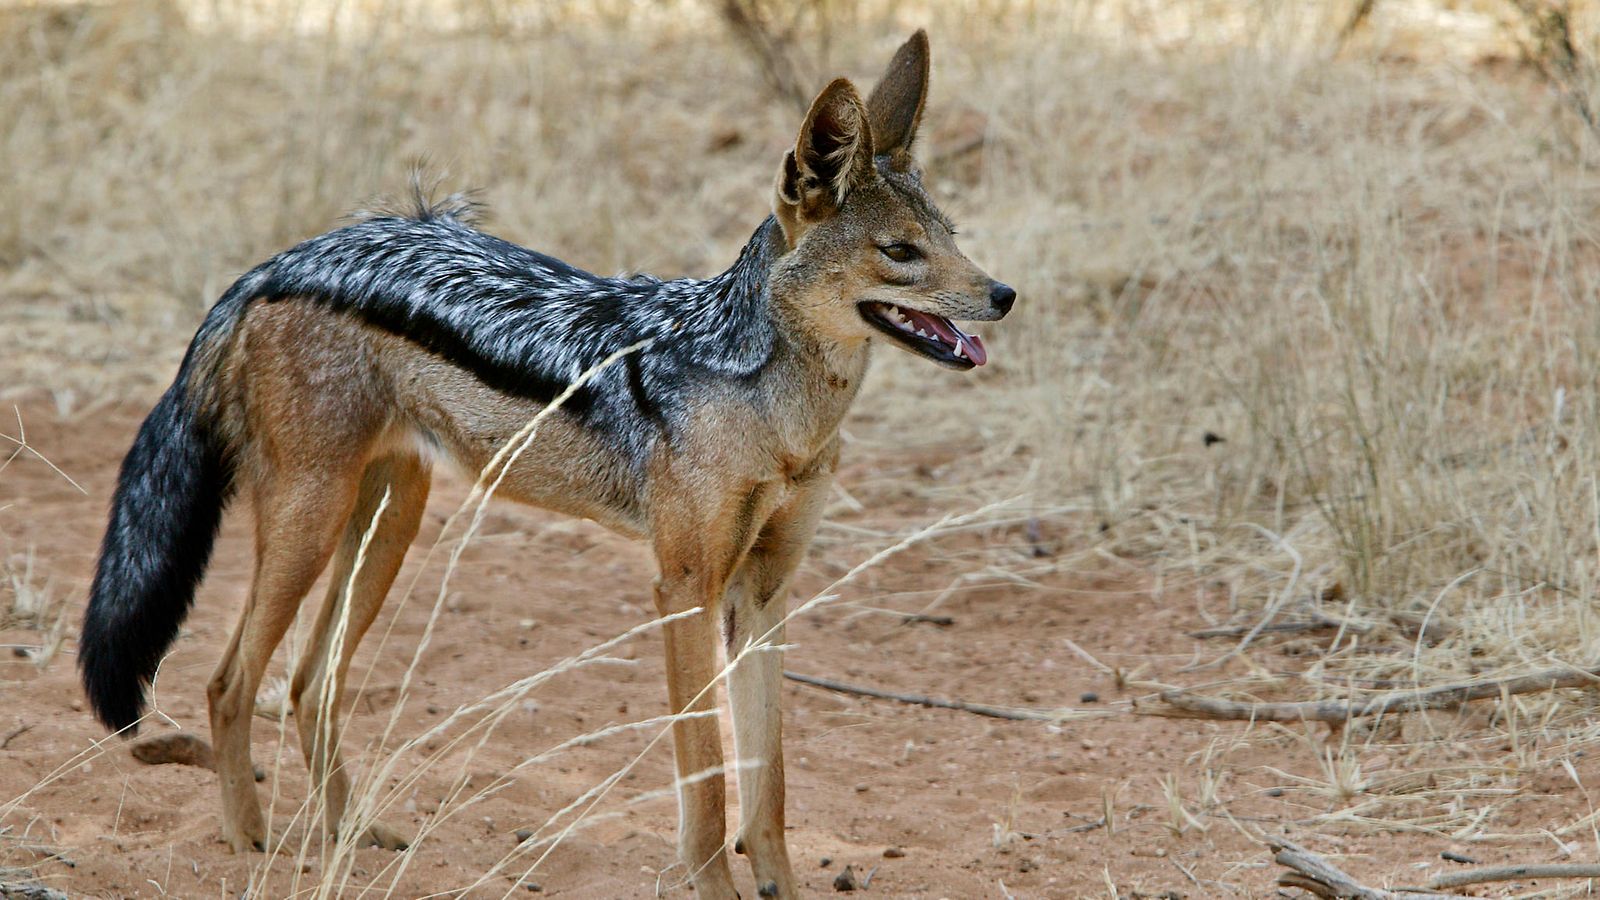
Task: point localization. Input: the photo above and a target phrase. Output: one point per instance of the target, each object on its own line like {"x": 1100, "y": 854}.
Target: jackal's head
{"x": 872, "y": 254}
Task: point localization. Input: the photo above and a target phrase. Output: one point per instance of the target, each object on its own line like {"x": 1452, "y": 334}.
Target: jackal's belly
{"x": 545, "y": 459}
{"x": 530, "y": 455}
{"x": 551, "y": 464}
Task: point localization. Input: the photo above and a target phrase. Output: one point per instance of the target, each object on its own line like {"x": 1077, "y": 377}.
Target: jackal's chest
{"x": 805, "y": 421}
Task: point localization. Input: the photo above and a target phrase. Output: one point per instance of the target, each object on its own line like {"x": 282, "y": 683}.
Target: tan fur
{"x": 331, "y": 414}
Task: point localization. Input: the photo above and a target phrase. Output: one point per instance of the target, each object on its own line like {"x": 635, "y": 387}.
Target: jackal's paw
{"x": 381, "y": 835}
{"x": 782, "y": 888}
{"x": 245, "y": 840}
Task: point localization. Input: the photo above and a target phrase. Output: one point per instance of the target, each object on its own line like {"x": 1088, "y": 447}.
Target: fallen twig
{"x": 1184, "y": 705}
{"x": 25, "y": 890}
{"x": 15, "y": 733}
{"x": 1319, "y": 623}
{"x": 1515, "y": 873}
{"x": 1311, "y": 873}
{"x": 995, "y": 712}
{"x": 44, "y": 853}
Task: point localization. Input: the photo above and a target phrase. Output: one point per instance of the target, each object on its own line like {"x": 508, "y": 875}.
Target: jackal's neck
{"x": 724, "y": 323}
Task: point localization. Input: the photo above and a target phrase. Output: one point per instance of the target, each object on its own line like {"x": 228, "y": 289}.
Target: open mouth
{"x": 932, "y": 336}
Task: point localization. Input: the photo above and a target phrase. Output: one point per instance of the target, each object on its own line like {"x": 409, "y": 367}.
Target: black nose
{"x": 1002, "y": 296}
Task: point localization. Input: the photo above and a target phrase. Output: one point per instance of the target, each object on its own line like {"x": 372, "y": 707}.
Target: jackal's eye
{"x": 901, "y": 252}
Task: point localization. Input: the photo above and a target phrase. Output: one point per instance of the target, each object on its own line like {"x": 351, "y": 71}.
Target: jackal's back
{"x": 526, "y": 323}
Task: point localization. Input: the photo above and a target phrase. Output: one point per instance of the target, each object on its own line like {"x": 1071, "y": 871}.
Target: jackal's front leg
{"x": 697, "y": 742}
{"x": 696, "y": 548}
{"x": 754, "y": 608}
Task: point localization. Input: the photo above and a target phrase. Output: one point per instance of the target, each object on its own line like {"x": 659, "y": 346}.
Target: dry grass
{"x": 1374, "y": 285}
{"x": 31, "y": 603}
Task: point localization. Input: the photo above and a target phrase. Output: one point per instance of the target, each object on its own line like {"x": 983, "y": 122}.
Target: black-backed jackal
{"x": 336, "y": 371}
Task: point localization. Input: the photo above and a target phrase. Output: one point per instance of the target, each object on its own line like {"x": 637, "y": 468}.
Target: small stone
{"x": 769, "y": 889}
{"x": 1275, "y": 792}
{"x": 523, "y": 834}
{"x": 825, "y": 862}
{"x": 1088, "y": 697}
{"x": 846, "y": 880}
{"x": 862, "y": 788}
{"x": 532, "y": 887}
{"x": 893, "y": 853}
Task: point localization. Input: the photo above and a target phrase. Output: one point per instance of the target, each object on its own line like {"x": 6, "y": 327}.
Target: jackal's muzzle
{"x": 926, "y": 334}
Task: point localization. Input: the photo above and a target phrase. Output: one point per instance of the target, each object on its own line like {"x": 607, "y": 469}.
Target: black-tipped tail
{"x": 174, "y": 484}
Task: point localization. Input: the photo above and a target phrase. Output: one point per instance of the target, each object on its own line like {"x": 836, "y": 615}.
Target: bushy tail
{"x": 174, "y": 484}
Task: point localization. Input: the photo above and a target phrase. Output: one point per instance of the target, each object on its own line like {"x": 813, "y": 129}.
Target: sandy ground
{"x": 932, "y": 803}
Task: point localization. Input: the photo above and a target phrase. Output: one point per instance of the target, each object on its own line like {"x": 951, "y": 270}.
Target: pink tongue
{"x": 971, "y": 347}
{"x": 975, "y": 350}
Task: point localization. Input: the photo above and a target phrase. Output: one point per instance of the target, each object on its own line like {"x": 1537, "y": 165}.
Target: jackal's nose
{"x": 1002, "y": 296}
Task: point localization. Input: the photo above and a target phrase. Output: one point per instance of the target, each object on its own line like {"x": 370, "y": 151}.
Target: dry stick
{"x": 1358, "y": 17}
{"x": 17, "y": 891}
{"x": 1193, "y": 706}
{"x": 17, "y": 732}
{"x": 1318, "y": 623}
{"x": 981, "y": 709}
{"x": 1310, "y": 872}
{"x": 770, "y": 49}
{"x": 1556, "y": 57}
{"x": 1515, "y": 873}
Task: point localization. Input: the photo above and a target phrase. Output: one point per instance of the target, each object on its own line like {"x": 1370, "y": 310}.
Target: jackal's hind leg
{"x": 297, "y": 522}
{"x": 317, "y": 697}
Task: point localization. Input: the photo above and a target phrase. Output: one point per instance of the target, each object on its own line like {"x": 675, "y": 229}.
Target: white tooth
{"x": 958, "y": 349}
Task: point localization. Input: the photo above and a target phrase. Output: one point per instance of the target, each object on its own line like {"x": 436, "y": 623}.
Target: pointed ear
{"x": 895, "y": 107}
{"x": 832, "y": 155}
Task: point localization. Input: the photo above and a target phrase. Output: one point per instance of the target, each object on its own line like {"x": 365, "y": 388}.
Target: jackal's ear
{"x": 895, "y": 107}
{"x": 833, "y": 154}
